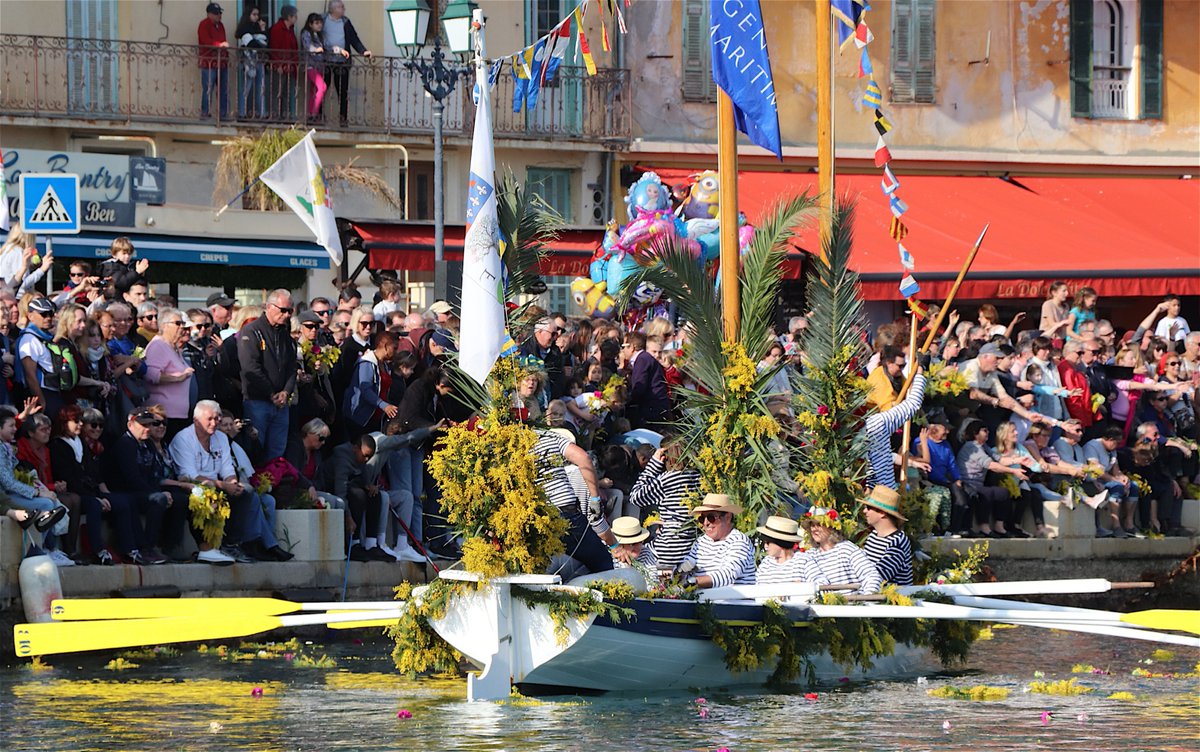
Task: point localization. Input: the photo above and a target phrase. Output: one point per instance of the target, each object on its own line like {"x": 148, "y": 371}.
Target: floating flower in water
{"x": 256, "y": 692}
{"x": 922, "y": 681}
{"x": 810, "y": 695}
{"x": 1128, "y": 696}
{"x": 403, "y": 714}
{"x": 703, "y": 713}
{"x": 214, "y": 727}
{"x": 977, "y": 692}
{"x": 357, "y": 641}
{"x": 844, "y": 680}
{"x": 1162, "y": 655}
{"x": 262, "y": 654}
{"x": 288, "y": 656}
{"x": 1047, "y": 716}
{"x": 1066, "y": 687}
{"x": 1039, "y": 674}
{"x": 1082, "y": 717}
{"x": 946, "y": 726}
{"x": 701, "y": 701}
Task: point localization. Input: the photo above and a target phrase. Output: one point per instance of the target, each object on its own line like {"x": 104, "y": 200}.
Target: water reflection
{"x": 204, "y": 701}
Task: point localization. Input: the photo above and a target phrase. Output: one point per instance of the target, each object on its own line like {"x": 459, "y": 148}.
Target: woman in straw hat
{"x": 887, "y": 546}
{"x": 779, "y": 537}
{"x": 631, "y": 549}
{"x": 835, "y": 560}
{"x": 723, "y": 555}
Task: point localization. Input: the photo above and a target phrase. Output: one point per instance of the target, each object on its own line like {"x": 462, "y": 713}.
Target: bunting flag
{"x": 556, "y": 49}
{"x": 919, "y": 309}
{"x": 616, "y": 11}
{"x": 906, "y": 258}
{"x": 604, "y": 45}
{"x": 864, "y": 65}
{"x": 898, "y": 231}
{"x": 909, "y": 286}
{"x": 526, "y": 89}
{"x": 897, "y": 206}
{"x": 882, "y": 154}
{"x": 862, "y": 35}
{"x": 882, "y": 124}
{"x": 889, "y": 183}
{"x": 846, "y": 13}
{"x": 588, "y": 60}
{"x": 874, "y": 95}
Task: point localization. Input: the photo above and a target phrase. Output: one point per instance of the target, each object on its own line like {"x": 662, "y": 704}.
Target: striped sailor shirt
{"x": 881, "y": 425}
{"x": 550, "y": 454}
{"x": 729, "y": 561}
{"x": 891, "y": 555}
{"x": 844, "y": 563}
{"x": 771, "y": 572}
{"x": 665, "y": 490}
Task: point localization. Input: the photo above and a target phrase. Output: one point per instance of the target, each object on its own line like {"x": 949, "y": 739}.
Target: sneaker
{"x": 60, "y": 559}
{"x": 378, "y": 554}
{"x": 1120, "y": 532}
{"x": 237, "y": 554}
{"x": 104, "y": 558}
{"x": 149, "y": 557}
{"x": 1069, "y": 499}
{"x": 214, "y": 556}
{"x": 389, "y": 551}
{"x": 358, "y": 553}
{"x": 411, "y": 555}
{"x": 1134, "y": 532}
{"x": 1102, "y": 533}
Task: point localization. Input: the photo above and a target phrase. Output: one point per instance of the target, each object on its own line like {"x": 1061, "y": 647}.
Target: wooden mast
{"x": 727, "y": 164}
{"x": 824, "y": 50}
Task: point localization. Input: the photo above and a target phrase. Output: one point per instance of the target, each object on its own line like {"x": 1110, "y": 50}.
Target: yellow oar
{"x": 83, "y": 609}
{"x": 1165, "y": 618}
{"x": 80, "y": 636}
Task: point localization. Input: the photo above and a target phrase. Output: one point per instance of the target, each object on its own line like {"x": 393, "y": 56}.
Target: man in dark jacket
{"x": 284, "y": 69}
{"x": 648, "y": 399}
{"x": 542, "y": 345}
{"x": 340, "y": 38}
{"x": 351, "y": 475}
{"x": 267, "y": 356}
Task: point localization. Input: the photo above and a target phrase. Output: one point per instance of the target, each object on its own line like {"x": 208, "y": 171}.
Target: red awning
{"x": 1122, "y": 236}
{"x": 409, "y": 247}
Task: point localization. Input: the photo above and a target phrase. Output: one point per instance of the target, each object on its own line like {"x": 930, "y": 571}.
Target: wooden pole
{"x": 912, "y": 369}
{"x": 937, "y": 323}
{"x": 824, "y": 53}
{"x": 727, "y": 164}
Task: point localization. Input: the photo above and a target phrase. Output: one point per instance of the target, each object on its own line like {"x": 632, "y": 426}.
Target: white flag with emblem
{"x": 483, "y": 283}
{"x": 299, "y": 181}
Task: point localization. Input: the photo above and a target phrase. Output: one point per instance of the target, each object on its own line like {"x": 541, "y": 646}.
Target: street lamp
{"x": 410, "y": 21}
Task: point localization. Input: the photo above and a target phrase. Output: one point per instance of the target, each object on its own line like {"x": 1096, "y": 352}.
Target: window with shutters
{"x": 698, "y": 83}
{"x": 1116, "y": 59}
{"x": 92, "y": 57}
{"x": 914, "y": 52}
{"x": 554, "y": 186}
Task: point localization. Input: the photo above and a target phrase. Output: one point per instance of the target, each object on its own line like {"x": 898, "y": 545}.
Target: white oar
{"x": 1025, "y": 587}
{"x": 977, "y": 602}
{"x": 84, "y": 609}
{"x": 1147, "y": 635}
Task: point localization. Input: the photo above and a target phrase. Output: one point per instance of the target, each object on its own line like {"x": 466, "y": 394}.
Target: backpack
{"x": 63, "y": 375}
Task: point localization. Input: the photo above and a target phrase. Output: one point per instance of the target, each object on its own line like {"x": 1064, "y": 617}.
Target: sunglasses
{"x": 322, "y": 439}
{"x": 281, "y": 309}
{"x": 309, "y": 325}
{"x": 93, "y": 424}
{"x": 366, "y": 324}
{"x": 326, "y": 312}
{"x": 201, "y": 326}
{"x": 712, "y": 516}
{"x": 157, "y": 424}
{"x": 149, "y": 316}
{"x": 78, "y": 275}
{"x": 1172, "y": 362}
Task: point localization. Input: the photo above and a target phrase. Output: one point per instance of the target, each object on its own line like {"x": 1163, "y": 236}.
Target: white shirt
{"x": 1164, "y": 328}
{"x": 192, "y": 460}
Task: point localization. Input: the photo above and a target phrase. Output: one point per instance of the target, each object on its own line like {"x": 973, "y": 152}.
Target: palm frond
{"x": 762, "y": 270}
{"x": 527, "y": 225}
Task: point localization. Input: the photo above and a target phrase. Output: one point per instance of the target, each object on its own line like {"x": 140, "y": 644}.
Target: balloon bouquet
{"x": 648, "y": 204}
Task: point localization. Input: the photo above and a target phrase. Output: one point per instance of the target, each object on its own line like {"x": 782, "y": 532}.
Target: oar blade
{"x": 1177, "y": 620}
{"x": 86, "y": 609}
{"x": 80, "y": 636}
{"x": 364, "y": 624}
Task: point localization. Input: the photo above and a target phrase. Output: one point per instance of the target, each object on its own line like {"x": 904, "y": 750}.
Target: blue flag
{"x": 526, "y": 90}
{"x": 847, "y": 13}
{"x": 742, "y": 68}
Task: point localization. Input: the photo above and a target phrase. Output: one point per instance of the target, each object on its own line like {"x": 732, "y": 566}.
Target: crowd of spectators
{"x": 117, "y": 406}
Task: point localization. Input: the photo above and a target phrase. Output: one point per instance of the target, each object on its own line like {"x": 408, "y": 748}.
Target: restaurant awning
{"x": 1122, "y": 236}
{"x": 196, "y": 250}
{"x": 409, "y": 247}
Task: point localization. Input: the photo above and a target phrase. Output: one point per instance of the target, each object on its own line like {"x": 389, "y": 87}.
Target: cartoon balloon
{"x": 593, "y": 298}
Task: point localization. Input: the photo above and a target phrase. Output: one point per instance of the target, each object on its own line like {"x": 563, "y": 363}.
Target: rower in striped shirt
{"x": 881, "y": 425}
{"x": 587, "y": 535}
{"x": 887, "y": 546}
{"x": 835, "y": 559}
{"x": 665, "y": 490}
{"x": 723, "y": 555}
{"x": 782, "y": 563}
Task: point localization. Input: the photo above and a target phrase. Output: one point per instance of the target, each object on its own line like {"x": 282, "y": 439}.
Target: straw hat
{"x": 781, "y": 528}
{"x": 886, "y": 500}
{"x": 717, "y": 503}
{"x": 629, "y": 530}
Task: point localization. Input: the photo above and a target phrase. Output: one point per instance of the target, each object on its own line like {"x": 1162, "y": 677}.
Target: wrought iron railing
{"x": 1110, "y": 92}
{"x": 130, "y": 82}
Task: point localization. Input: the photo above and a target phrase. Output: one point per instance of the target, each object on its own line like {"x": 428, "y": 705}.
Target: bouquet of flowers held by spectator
{"x": 209, "y": 508}
{"x": 318, "y": 359}
{"x": 945, "y": 381}
{"x": 263, "y": 483}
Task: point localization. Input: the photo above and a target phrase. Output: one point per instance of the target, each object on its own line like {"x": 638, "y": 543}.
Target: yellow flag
{"x": 588, "y": 60}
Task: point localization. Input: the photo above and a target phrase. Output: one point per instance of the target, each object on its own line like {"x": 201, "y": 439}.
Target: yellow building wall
{"x": 1019, "y": 102}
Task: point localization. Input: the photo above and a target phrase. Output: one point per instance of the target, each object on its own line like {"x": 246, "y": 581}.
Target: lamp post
{"x": 409, "y": 20}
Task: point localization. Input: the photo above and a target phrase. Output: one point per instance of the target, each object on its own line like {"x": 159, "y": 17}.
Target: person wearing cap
{"x": 37, "y": 365}
{"x": 440, "y": 311}
{"x": 996, "y": 405}
{"x": 267, "y": 357}
{"x": 220, "y": 307}
{"x": 887, "y": 546}
{"x": 314, "y": 388}
{"x": 780, "y": 536}
{"x": 833, "y": 560}
{"x": 213, "y": 62}
{"x": 630, "y": 549}
{"x": 440, "y": 345}
{"x": 541, "y": 345}
{"x": 723, "y": 555}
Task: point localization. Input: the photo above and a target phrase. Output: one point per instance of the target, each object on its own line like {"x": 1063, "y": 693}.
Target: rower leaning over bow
{"x": 887, "y": 546}
{"x": 723, "y": 555}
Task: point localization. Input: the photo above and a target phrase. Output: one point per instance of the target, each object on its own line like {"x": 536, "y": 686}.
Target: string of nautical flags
{"x": 853, "y": 30}
{"x": 534, "y": 66}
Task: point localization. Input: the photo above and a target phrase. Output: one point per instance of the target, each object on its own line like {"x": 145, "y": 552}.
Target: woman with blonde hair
{"x": 18, "y": 248}
{"x": 1009, "y": 451}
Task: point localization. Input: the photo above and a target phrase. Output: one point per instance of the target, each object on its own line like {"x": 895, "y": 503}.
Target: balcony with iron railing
{"x": 1110, "y": 91}
{"x": 94, "y": 80}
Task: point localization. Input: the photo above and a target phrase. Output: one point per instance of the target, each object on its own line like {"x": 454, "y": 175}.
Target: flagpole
{"x": 825, "y": 151}
{"x": 727, "y": 165}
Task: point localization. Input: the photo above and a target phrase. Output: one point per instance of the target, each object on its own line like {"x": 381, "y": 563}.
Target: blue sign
{"x": 279, "y": 254}
{"x": 50, "y": 204}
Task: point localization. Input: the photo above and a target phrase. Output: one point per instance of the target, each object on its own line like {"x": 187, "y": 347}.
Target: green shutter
{"x": 926, "y": 52}
{"x": 1151, "y": 36}
{"x": 903, "y": 87}
{"x": 1081, "y": 58}
{"x": 698, "y": 83}
{"x": 554, "y": 187}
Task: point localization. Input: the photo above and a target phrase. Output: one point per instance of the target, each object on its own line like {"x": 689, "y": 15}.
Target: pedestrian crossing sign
{"x": 49, "y": 203}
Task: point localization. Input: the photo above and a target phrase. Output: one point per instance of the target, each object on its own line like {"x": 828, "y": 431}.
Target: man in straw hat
{"x": 835, "y": 560}
{"x": 723, "y": 555}
{"x": 887, "y": 546}
{"x": 782, "y": 563}
{"x": 630, "y": 549}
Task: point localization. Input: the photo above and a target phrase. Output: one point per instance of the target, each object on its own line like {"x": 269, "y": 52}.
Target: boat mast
{"x": 824, "y": 50}
{"x": 727, "y": 165}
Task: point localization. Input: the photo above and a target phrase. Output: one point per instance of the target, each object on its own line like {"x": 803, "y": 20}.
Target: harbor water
{"x": 343, "y": 694}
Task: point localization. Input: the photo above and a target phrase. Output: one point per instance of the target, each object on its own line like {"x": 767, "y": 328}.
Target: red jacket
{"x": 284, "y": 48}
{"x": 1079, "y": 408}
{"x": 211, "y": 35}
